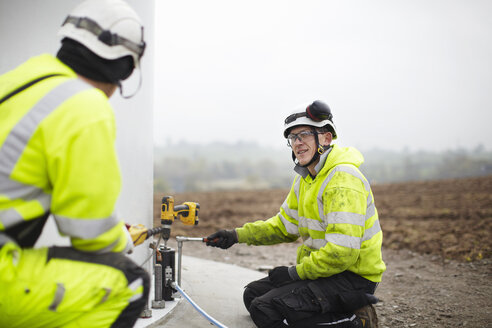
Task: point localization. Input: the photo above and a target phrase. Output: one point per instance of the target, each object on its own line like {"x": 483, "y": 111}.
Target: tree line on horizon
{"x": 184, "y": 167}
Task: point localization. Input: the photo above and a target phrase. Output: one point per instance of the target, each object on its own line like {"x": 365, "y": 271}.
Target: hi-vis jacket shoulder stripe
{"x": 14, "y": 146}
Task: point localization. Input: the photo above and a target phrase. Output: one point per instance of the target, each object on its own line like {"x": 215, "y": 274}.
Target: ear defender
{"x": 319, "y": 111}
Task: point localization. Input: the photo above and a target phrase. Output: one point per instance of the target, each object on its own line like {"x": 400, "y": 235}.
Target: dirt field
{"x": 437, "y": 246}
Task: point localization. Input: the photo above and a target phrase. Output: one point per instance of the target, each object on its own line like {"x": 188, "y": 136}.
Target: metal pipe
{"x": 180, "y": 240}
{"x": 180, "y": 249}
{"x": 158, "y": 282}
{"x": 158, "y": 302}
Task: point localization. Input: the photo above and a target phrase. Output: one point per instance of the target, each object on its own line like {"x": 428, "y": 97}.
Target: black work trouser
{"x": 305, "y": 302}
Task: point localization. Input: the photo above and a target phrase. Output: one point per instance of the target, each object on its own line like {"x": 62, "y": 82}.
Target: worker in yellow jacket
{"x": 331, "y": 207}
{"x": 57, "y": 156}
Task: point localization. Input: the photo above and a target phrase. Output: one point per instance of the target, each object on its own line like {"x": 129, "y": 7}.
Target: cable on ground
{"x": 208, "y": 317}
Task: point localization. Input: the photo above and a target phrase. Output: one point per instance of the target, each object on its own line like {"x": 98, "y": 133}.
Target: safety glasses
{"x": 317, "y": 112}
{"x": 303, "y": 136}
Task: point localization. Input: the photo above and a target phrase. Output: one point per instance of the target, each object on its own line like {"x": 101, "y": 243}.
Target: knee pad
{"x": 248, "y": 297}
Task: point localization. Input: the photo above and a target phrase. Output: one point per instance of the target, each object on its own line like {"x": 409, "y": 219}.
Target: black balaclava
{"x": 88, "y": 64}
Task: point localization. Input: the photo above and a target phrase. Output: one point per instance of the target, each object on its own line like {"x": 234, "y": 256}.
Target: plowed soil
{"x": 437, "y": 246}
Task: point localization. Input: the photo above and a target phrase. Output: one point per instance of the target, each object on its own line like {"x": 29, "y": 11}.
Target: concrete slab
{"x": 157, "y": 314}
{"x": 215, "y": 287}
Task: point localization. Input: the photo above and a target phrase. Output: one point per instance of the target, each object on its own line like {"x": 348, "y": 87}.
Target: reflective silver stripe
{"x": 135, "y": 297}
{"x": 372, "y": 231}
{"x": 107, "y": 292}
{"x": 346, "y": 217}
{"x": 10, "y": 218}
{"x": 315, "y": 243}
{"x": 16, "y": 141}
{"x": 321, "y": 207}
{"x": 353, "y": 171}
{"x": 19, "y": 136}
{"x": 104, "y": 250}
{"x": 292, "y": 213}
{"x": 59, "y": 293}
{"x": 343, "y": 240}
{"x": 347, "y": 169}
{"x": 352, "y": 318}
{"x": 14, "y": 189}
{"x": 341, "y": 168}
{"x": 370, "y": 211}
{"x": 4, "y": 239}
{"x": 369, "y": 198}
{"x": 312, "y": 224}
{"x": 108, "y": 248}
{"x": 133, "y": 286}
{"x": 289, "y": 226}
{"x": 84, "y": 228}
{"x": 297, "y": 184}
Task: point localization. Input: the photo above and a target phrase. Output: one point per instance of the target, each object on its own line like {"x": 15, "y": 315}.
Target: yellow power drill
{"x": 186, "y": 212}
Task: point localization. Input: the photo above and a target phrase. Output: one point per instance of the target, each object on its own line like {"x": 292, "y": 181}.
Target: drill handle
{"x": 167, "y": 210}
{"x": 188, "y": 213}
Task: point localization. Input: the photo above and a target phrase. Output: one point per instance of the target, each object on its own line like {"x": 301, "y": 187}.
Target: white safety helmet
{"x": 316, "y": 114}
{"x": 109, "y": 28}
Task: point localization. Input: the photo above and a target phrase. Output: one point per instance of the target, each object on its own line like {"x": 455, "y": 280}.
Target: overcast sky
{"x": 396, "y": 74}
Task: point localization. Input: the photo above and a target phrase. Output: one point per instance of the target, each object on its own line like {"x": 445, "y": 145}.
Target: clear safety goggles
{"x": 303, "y": 136}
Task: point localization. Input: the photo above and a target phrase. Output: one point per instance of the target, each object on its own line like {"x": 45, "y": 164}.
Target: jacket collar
{"x": 304, "y": 172}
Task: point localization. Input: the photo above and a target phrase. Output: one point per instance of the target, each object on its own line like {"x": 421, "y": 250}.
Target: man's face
{"x": 305, "y": 148}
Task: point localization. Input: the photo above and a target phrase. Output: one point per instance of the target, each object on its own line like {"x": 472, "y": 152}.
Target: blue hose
{"x": 199, "y": 309}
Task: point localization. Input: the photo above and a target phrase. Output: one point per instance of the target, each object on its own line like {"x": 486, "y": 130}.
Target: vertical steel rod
{"x": 180, "y": 251}
{"x": 180, "y": 240}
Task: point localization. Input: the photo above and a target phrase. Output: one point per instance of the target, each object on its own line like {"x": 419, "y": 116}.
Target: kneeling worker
{"x": 57, "y": 156}
{"x": 331, "y": 207}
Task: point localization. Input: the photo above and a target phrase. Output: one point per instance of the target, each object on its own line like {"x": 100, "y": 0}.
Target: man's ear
{"x": 325, "y": 139}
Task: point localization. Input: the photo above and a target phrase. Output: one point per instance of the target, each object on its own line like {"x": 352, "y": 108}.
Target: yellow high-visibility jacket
{"x": 57, "y": 155}
{"x": 335, "y": 216}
